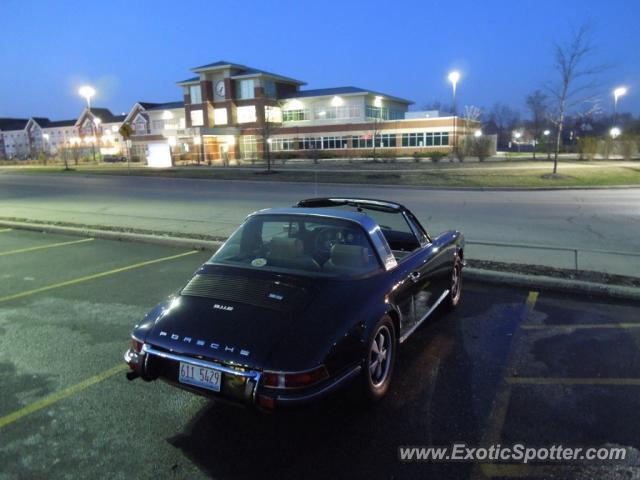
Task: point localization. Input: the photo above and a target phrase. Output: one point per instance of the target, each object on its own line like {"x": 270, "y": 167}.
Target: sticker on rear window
{"x": 259, "y": 262}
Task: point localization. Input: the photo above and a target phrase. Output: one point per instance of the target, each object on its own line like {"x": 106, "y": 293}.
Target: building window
{"x": 272, "y": 114}
{"x": 310, "y": 143}
{"x": 386, "y": 140}
{"x": 337, "y": 113}
{"x": 220, "y": 116}
{"x": 334, "y": 142}
{"x": 269, "y": 88}
{"x": 413, "y": 139}
{"x": 246, "y": 114}
{"x": 248, "y": 149}
{"x": 437, "y": 139}
{"x": 362, "y": 141}
{"x": 282, "y": 144}
{"x": 195, "y": 94}
{"x": 197, "y": 118}
{"x": 245, "y": 89}
{"x": 383, "y": 113}
{"x": 295, "y": 115}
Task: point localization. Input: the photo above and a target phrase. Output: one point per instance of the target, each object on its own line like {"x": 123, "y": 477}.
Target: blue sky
{"x": 137, "y": 49}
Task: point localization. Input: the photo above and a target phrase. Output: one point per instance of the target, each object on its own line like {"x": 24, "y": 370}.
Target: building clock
{"x": 220, "y": 88}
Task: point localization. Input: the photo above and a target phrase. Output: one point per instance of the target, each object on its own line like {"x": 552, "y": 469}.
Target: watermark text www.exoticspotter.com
{"x": 518, "y": 453}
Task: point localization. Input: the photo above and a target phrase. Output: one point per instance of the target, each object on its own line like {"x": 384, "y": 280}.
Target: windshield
{"x": 299, "y": 244}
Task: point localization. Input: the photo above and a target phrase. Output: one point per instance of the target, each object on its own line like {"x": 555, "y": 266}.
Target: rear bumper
{"x": 240, "y": 386}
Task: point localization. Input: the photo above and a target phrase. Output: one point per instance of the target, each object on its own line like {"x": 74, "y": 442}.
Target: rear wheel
{"x": 379, "y": 361}
{"x": 455, "y": 288}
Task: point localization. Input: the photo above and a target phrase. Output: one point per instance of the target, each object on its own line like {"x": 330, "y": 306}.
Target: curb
{"x": 552, "y": 283}
{"x": 492, "y": 276}
{"x": 351, "y": 185}
{"x": 171, "y": 241}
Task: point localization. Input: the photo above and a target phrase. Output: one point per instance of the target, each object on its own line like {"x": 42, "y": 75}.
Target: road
{"x": 584, "y": 219}
{"x": 508, "y": 366}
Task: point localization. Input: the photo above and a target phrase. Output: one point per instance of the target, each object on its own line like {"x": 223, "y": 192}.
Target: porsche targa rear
{"x": 298, "y": 302}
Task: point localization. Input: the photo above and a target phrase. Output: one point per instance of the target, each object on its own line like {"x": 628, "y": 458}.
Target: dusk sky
{"x": 136, "y": 50}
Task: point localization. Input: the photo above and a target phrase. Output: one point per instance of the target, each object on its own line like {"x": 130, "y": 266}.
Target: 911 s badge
{"x": 226, "y": 308}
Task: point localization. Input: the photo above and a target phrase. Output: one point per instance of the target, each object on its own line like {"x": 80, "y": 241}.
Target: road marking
{"x": 535, "y": 326}
{"x": 498, "y": 413}
{"x": 93, "y": 277}
{"x": 62, "y": 394}
{"x": 42, "y": 247}
{"x": 2, "y": 230}
{"x": 572, "y": 381}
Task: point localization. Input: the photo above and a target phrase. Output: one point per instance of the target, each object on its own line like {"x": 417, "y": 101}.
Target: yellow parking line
{"x": 573, "y": 381}
{"x": 62, "y": 394}
{"x": 498, "y": 413}
{"x": 42, "y": 247}
{"x": 534, "y": 326}
{"x": 93, "y": 277}
{"x": 2, "y": 230}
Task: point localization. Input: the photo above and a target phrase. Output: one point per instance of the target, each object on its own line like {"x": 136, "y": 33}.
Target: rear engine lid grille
{"x": 271, "y": 294}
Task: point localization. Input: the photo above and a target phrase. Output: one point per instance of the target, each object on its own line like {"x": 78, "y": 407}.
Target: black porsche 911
{"x": 300, "y": 301}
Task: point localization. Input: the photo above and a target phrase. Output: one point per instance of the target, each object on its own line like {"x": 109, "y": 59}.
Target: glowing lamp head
{"x": 615, "y": 132}
{"x": 619, "y": 92}
{"x": 454, "y": 77}
{"x": 87, "y": 92}
{"x": 547, "y": 133}
{"x": 477, "y": 133}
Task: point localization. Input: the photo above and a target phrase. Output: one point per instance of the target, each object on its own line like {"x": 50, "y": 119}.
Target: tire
{"x": 377, "y": 372}
{"x": 455, "y": 287}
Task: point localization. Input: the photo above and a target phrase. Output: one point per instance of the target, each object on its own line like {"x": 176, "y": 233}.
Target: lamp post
{"x": 454, "y": 77}
{"x": 617, "y": 93}
{"x": 517, "y": 136}
{"x": 546, "y": 143}
{"x": 87, "y": 92}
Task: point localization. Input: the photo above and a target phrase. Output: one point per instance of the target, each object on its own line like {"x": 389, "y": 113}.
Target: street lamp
{"x": 615, "y": 132}
{"x": 454, "y": 77}
{"x": 87, "y": 92}
{"x": 517, "y": 136}
{"x": 546, "y": 134}
{"x": 617, "y": 93}
{"x": 477, "y": 133}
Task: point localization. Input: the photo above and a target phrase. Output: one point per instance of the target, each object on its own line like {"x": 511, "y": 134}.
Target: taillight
{"x": 136, "y": 344}
{"x": 294, "y": 379}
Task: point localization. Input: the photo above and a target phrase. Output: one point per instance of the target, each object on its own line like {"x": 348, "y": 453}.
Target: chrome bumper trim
{"x": 251, "y": 374}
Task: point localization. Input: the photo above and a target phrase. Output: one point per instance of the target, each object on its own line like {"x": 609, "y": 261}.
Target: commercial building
{"x": 232, "y": 113}
{"x": 236, "y": 112}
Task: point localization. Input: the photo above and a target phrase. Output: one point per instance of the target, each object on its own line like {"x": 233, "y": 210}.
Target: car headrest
{"x": 285, "y": 248}
{"x": 349, "y": 256}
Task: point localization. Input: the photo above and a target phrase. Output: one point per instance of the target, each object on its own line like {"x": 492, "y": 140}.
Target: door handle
{"x": 414, "y": 276}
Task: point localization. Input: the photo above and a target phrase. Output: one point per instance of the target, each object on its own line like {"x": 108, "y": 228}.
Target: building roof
{"x": 240, "y": 71}
{"x": 218, "y": 64}
{"x": 321, "y": 92}
{"x": 189, "y": 80}
{"x": 163, "y": 106}
{"x": 105, "y": 115}
{"x": 13, "y": 123}
{"x": 60, "y": 123}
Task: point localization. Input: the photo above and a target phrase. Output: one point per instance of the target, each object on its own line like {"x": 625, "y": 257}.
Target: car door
{"x": 423, "y": 271}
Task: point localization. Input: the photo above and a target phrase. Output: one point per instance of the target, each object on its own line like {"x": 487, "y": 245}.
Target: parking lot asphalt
{"x": 509, "y": 366}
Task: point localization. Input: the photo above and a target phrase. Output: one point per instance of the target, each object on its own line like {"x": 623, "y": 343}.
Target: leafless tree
{"x": 471, "y": 113}
{"x": 576, "y": 79}
{"x": 267, "y": 127}
{"x": 537, "y": 105}
{"x": 505, "y": 119}
{"x": 441, "y": 107}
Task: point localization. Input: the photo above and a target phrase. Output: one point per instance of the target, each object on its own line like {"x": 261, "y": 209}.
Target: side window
{"x": 418, "y": 232}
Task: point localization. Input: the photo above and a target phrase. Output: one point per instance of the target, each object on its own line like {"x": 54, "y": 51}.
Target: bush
{"x": 283, "y": 156}
{"x": 627, "y": 147}
{"x": 587, "y": 147}
{"x": 387, "y": 156}
{"x": 436, "y": 156}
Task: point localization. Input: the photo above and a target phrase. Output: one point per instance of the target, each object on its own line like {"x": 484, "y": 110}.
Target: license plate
{"x": 200, "y": 376}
